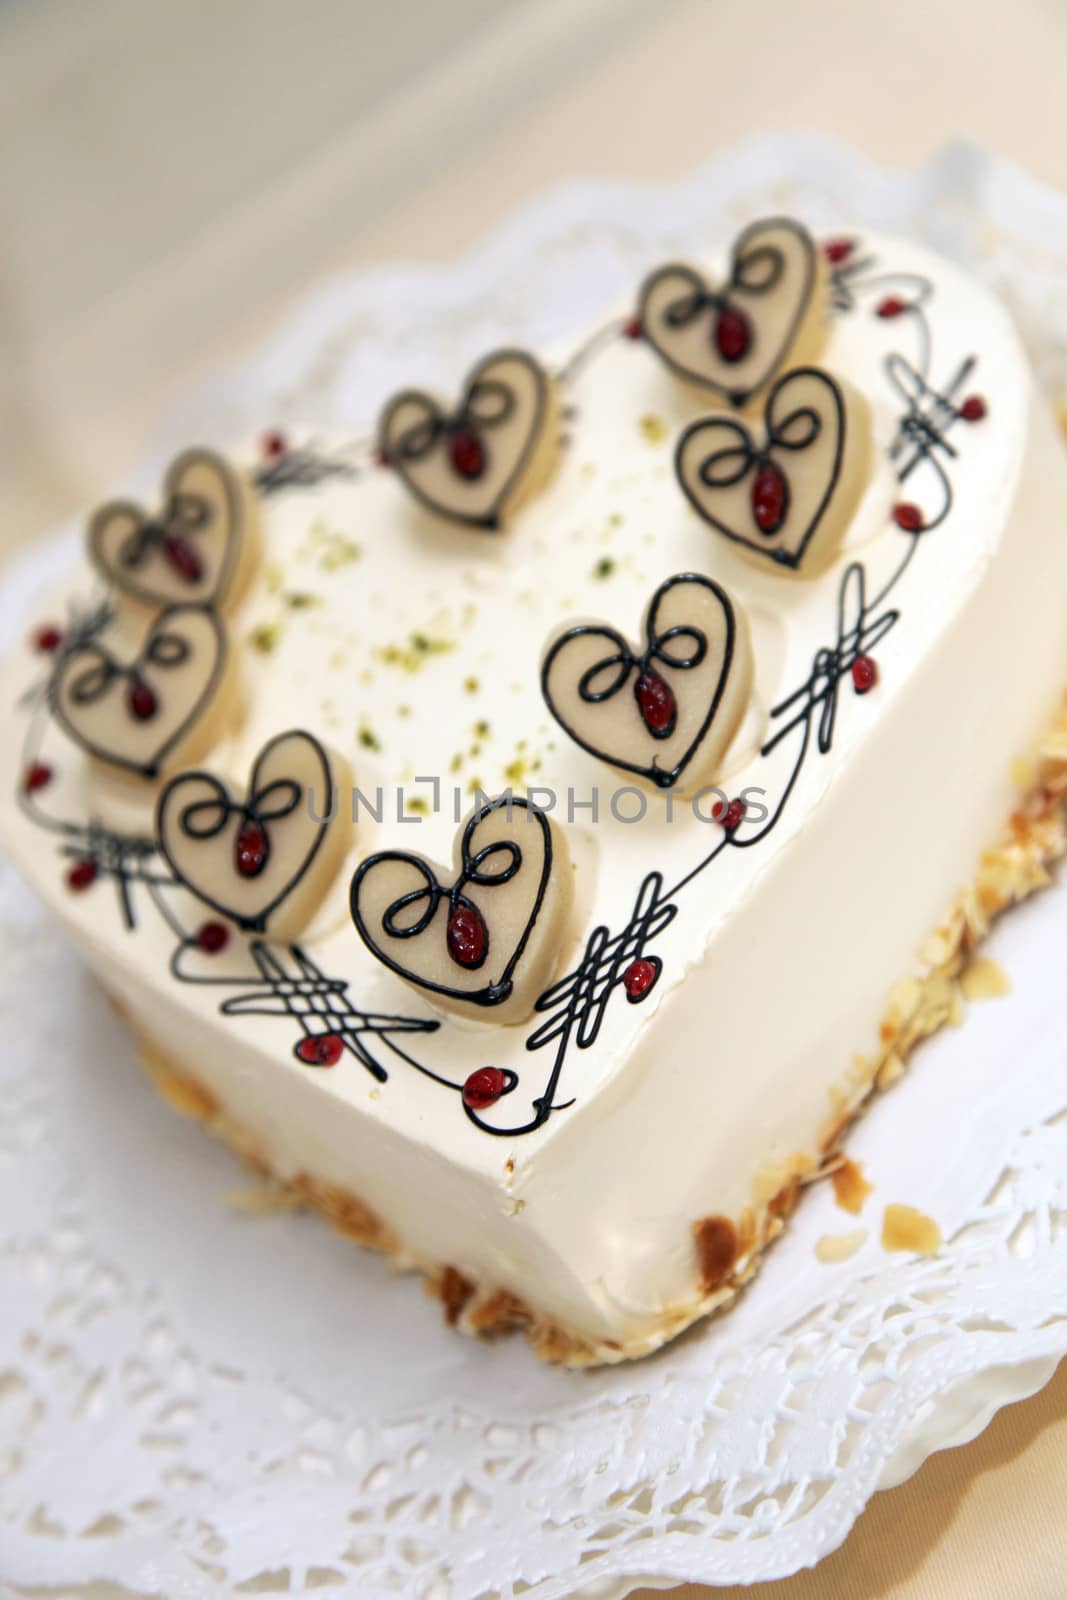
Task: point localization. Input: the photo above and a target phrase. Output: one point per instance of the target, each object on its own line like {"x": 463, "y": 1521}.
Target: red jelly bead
{"x": 81, "y": 875}
{"x": 183, "y": 558}
{"x": 864, "y": 674}
{"x": 729, "y": 816}
{"x": 733, "y": 336}
{"x": 633, "y": 328}
{"x": 655, "y": 701}
{"x": 639, "y": 977}
{"x": 484, "y": 1088}
{"x": 908, "y": 517}
{"x": 141, "y": 700}
{"x": 274, "y": 444}
{"x": 973, "y": 408}
{"x": 466, "y": 454}
{"x": 47, "y": 638}
{"x": 468, "y": 938}
{"x": 212, "y": 937}
{"x": 250, "y": 850}
{"x": 891, "y": 306}
{"x": 321, "y": 1049}
{"x": 837, "y": 250}
{"x": 37, "y": 776}
{"x": 770, "y": 498}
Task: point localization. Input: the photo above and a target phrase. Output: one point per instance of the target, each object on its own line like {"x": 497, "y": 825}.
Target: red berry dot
{"x": 729, "y": 816}
{"x": 212, "y": 937}
{"x": 274, "y": 444}
{"x": 183, "y": 558}
{"x": 484, "y": 1088}
{"x": 468, "y": 937}
{"x": 837, "y": 250}
{"x": 864, "y": 674}
{"x": 639, "y": 977}
{"x": 733, "y": 334}
{"x": 250, "y": 850}
{"x": 770, "y": 498}
{"x": 466, "y": 454}
{"x": 655, "y": 701}
{"x": 891, "y": 306}
{"x": 47, "y": 638}
{"x": 81, "y": 875}
{"x": 381, "y": 456}
{"x": 141, "y": 700}
{"x": 973, "y": 408}
{"x": 37, "y": 776}
{"x": 321, "y": 1049}
{"x": 908, "y": 517}
{"x": 633, "y": 329}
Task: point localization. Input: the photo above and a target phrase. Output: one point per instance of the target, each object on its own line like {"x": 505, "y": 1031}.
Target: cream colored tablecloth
{"x": 536, "y": 94}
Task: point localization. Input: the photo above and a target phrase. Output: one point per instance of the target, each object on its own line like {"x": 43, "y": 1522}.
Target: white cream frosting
{"x": 413, "y": 648}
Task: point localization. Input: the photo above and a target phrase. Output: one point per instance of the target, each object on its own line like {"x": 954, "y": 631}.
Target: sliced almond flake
{"x": 834, "y": 1247}
{"x": 985, "y": 979}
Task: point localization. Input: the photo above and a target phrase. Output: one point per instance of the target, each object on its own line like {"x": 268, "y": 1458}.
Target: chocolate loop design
{"x": 732, "y": 337}
{"x": 139, "y": 713}
{"x": 784, "y": 492}
{"x": 573, "y": 677}
{"x": 488, "y": 866}
{"x": 197, "y": 808}
{"x": 184, "y": 514}
{"x": 469, "y": 463}
{"x": 200, "y": 547}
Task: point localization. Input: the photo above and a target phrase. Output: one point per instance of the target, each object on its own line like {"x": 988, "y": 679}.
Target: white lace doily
{"x": 195, "y": 1403}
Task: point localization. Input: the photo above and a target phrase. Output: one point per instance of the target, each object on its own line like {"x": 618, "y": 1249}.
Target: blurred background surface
{"x": 174, "y": 172}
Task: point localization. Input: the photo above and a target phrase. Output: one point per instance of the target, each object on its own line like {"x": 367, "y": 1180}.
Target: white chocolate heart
{"x": 147, "y": 712}
{"x": 200, "y": 548}
{"x": 476, "y": 464}
{"x": 265, "y": 860}
{"x": 731, "y": 340}
{"x": 787, "y": 497}
{"x": 668, "y": 709}
{"x": 484, "y": 939}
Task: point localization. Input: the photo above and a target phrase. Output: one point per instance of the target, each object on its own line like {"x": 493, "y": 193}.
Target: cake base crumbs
{"x": 834, "y": 1247}
{"x": 850, "y": 1186}
{"x": 985, "y": 979}
{"x": 905, "y": 1228}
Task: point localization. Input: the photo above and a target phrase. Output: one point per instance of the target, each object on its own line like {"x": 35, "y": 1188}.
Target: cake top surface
{"x": 413, "y": 648}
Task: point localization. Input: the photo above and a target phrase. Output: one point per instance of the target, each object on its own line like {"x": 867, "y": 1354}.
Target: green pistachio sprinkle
{"x": 265, "y": 637}
{"x": 604, "y": 567}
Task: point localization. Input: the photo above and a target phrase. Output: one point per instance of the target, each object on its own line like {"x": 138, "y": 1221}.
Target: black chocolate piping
{"x": 631, "y": 664}
{"x": 471, "y": 872}
{"x": 183, "y": 514}
{"x": 205, "y": 819}
{"x": 703, "y": 298}
{"x": 750, "y": 458}
{"x": 422, "y": 436}
{"x": 103, "y": 669}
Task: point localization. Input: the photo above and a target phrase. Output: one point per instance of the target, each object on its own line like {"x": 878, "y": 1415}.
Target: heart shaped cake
{"x": 542, "y": 914}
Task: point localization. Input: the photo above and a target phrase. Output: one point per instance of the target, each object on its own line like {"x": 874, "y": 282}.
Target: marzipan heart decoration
{"x": 266, "y": 859}
{"x": 484, "y": 939}
{"x": 148, "y": 713}
{"x": 201, "y": 547}
{"x": 668, "y": 709}
{"x": 788, "y": 497}
{"x": 731, "y": 340}
{"x": 477, "y": 463}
